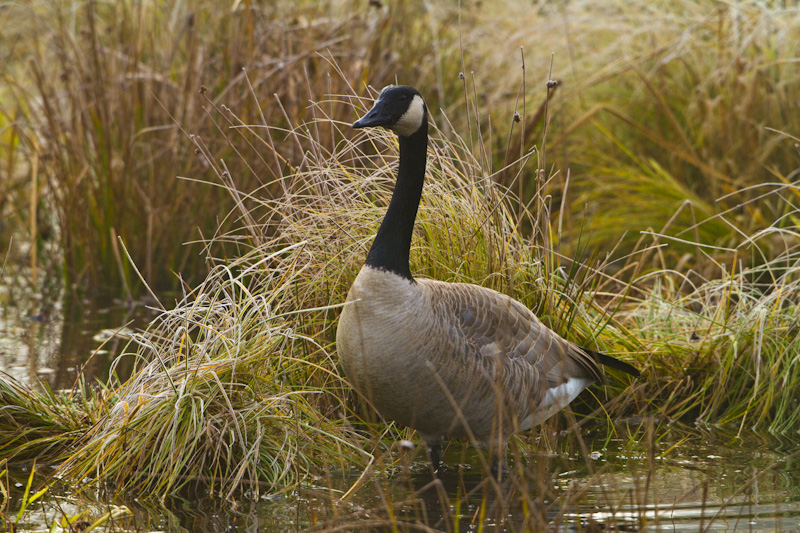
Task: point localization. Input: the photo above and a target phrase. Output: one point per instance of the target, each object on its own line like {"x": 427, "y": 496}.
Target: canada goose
{"x": 450, "y": 360}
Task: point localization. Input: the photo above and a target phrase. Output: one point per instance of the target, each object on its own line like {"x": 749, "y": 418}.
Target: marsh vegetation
{"x": 644, "y": 205}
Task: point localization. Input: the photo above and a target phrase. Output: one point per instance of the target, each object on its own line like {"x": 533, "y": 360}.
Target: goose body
{"x": 451, "y": 360}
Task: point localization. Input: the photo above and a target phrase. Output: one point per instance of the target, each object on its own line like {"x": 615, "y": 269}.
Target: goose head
{"x": 398, "y": 108}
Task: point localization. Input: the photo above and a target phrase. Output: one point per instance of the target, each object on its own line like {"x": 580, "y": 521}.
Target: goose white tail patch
{"x": 411, "y": 119}
{"x": 556, "y": 399}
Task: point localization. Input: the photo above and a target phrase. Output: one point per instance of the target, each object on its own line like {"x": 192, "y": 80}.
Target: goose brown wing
{"x": 495, "y": 326}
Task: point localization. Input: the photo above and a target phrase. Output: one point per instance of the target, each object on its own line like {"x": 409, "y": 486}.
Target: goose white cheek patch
{"x": 411, "y": 119}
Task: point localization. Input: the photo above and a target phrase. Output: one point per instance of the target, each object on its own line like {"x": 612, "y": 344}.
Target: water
{"x": 685, "y": 480}
{"x": 633, "y": 475}
{"x": 47, "y": 337}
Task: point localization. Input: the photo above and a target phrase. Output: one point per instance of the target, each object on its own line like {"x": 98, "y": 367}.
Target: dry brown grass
{"x": 98, "y": 101}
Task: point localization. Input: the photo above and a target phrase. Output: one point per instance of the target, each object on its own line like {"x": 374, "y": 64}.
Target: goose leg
{"x": 435, "y": 455}
{"x": 499, "y": 470}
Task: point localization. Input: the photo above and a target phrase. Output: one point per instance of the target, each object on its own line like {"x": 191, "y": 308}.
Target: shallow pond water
{"x": 629, "y": 475}
{"x": 46, "y": 337}
{"x": 628, "y": 478}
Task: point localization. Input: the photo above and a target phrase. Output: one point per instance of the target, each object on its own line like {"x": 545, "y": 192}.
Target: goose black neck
{"x": 392, "y": 244}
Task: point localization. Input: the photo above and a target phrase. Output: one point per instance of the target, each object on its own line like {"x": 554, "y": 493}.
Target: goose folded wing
{"x": 496, "y": 327}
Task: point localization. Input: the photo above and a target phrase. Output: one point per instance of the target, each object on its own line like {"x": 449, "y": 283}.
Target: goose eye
{"x": 403, "y": 98}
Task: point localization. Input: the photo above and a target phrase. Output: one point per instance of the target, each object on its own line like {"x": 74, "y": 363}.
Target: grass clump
{"x": 227, "y": 393}
{"x": 40, "y": 423}
{"x": 467, "y": 229}
{"x": 726, "y": 350}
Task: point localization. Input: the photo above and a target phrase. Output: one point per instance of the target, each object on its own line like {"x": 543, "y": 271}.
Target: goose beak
{"x": 377, "y": 116}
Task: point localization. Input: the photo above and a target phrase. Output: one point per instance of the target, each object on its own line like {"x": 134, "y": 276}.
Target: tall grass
{"x": 693, "y": 95}
{"x": 674, "y": 103}
{"x": 700, "y": 97}
{"x": 95, "y": 98}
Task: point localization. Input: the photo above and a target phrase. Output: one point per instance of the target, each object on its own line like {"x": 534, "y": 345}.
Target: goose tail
{"x": 611, "y": 362}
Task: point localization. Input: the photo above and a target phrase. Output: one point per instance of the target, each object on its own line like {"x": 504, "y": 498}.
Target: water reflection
{"x": 623, "y": 477}
{"x": 681, "y": 480}
{"x": 47, "y": 338}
